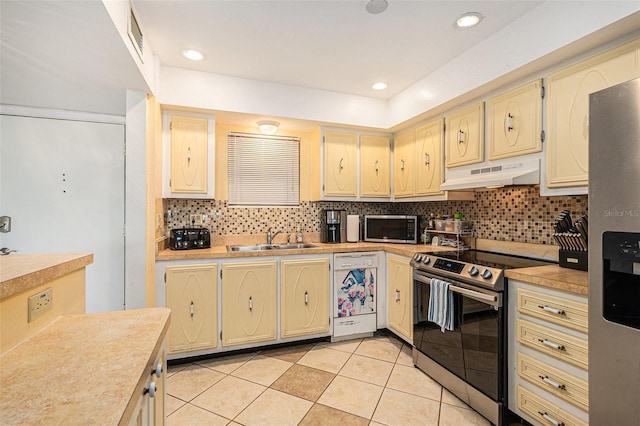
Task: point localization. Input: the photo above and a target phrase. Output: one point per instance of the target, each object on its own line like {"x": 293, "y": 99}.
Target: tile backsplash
{"x": 517, "y": 214}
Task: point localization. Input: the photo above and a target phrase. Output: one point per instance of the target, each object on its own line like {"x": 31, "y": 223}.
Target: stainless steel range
{"x": 470, "y": 360}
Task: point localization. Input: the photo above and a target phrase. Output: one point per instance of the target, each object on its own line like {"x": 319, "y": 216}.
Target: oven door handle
{"x": 482, "y": 297}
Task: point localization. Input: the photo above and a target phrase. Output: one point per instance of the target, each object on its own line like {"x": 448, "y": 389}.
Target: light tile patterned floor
{"x": 357, "y": 382}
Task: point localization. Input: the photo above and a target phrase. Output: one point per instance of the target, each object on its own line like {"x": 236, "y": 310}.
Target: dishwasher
{"x": 354, "y": 295}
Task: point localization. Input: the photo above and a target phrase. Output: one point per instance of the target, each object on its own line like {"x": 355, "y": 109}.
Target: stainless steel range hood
{"x": 522, "y": 173}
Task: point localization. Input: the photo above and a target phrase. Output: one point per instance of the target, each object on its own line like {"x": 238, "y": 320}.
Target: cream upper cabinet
{"x": 400, "y": 296}
{"x": 340, "y": 164}
{"x": 465, "y": 136}
{"x": 567, "y": 158}
{"x": 189, "y": 155}
{"x": 191, "y": 293}
{"x": 404, "y": 179}
{"x": 429, "y": 162}
{"x": 304, "y": 297}
{"x": 514, "y": 122}
{"x": 374, "y": 166}
{"x": 248, "y": 302}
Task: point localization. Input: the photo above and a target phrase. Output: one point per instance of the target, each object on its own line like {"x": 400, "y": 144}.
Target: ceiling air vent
{"x": 135, "y": 33}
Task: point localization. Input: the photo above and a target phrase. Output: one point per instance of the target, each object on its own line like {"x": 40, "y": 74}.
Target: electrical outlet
{"x": 195, "y": 219}
{"x": 40, "y": 303}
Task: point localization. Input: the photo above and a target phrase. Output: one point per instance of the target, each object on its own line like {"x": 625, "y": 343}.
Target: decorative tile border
{"x": 517, "y": 214}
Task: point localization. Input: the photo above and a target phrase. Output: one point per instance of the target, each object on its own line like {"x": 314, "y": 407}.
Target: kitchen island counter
{"x": 553, "y": 276}
{"x": 82, "y": 369}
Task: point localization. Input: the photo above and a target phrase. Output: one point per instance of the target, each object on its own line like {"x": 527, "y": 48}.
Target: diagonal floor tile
{"x": 229, "y": 396}
{"x": 171, "y": 404}
{"x": 399, "y": 408}
{"x": 192, "y": 415}
{"x": 344, "y": 346}
{"x": 352, "y": 396}
{"x": 411, "y": 380}
{"x": 227, "y": 364}
{"x": 323, "y": 358}
{"x": 321, "y": 415}
{"x": 262, "y": 370}
{"x": 192, "y": 381}
{"x": 304, "y": 382}
{"x": 451, "y": 399}
{"x": 289, "y": 354}
{"x": 367, "y": 370}
{"x": 456, "y": 416}
{"x": 382, "y": 348}
{"x": 274, "y": 408}
{"x": 406, "y": 356}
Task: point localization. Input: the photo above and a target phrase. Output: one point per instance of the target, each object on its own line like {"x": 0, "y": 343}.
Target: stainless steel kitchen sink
{"x": 259, "y": 247}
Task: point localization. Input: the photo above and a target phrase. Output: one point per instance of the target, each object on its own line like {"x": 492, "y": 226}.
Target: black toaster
{"x": 189, "y": 238}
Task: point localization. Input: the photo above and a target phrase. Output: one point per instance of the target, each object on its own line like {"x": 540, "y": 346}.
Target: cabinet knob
{"x": 151, "y": 390}
{"x": 158, "y": 370}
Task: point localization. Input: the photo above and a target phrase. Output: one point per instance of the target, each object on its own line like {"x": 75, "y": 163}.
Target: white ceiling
{"x": 329, "y": 45}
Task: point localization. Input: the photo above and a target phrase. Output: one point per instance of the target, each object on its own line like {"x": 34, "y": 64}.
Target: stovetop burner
{"x": 477, "y": 267}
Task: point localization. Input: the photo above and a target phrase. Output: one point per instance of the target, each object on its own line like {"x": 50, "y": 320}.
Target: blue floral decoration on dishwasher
{"x": 356, "y": 296}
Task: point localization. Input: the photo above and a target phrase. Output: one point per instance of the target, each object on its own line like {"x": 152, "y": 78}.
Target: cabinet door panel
{"x": 400, "y": 296}
{"x": 568, "y": 106}
{"x": 191, "y": 296}
{"x": 515, "y": 122}
{"x": 430, "y": 164}
{"x": 403, "y": 165}
{"x": 340, "y": 163}
{"x": 465, "y": 136}
{"x": 304, "y": 301}
{"x": 374, "y": 166}
{"x": 189, "y": 155}
{"x": 248, "y": 302}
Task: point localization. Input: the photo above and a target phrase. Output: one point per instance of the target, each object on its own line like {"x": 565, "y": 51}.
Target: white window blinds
{"x": 263, "y": 170}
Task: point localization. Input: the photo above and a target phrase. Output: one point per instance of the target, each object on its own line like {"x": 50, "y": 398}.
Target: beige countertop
{"x": 20, "y": 272}
{"x": 553, "y": 276}
{"x": 82, "y": 369}
{"x": 218, "y": 252}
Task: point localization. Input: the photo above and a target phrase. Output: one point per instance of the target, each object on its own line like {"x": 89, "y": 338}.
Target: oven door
{"x": 474, "y": 351}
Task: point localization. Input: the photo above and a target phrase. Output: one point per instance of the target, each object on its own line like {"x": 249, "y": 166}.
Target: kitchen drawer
{"x": 558, "y": 345}
{"x": 545, "y": 412}
{"x": 568, "y": 313}
{"x": 564, "y": 385}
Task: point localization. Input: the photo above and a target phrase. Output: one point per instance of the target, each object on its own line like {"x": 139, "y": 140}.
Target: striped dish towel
{"x": 441, "y": 305}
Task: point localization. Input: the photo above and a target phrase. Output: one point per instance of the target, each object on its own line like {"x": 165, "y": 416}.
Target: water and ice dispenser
{"x": 621, "y": 278}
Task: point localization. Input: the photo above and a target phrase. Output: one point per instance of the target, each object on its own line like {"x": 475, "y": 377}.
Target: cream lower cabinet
{"x": 191, "y": 293}
{"x": 400, "y": 296}
{"x": 548, "y": 355}
{"x": 304, "y": 297}
{"x": 249, "y": 302}
{"x": 567, "y": 158}
{"x": 150, "y": 407}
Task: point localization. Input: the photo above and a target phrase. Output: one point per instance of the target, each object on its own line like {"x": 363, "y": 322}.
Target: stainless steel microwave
{"x": 391, "y": 229}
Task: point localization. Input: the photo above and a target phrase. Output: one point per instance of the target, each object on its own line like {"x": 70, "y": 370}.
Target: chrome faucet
{"x": 271, "y": 236}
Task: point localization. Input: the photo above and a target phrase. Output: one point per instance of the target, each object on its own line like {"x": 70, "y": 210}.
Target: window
{"x": 263, "y": 170}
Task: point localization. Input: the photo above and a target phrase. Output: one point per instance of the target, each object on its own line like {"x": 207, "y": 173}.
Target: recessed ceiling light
{"x": 468, "y": 20}
{"x": 376, "y": 6}
{"x": 379, "y": 86}
{"x": 194, "y": 55}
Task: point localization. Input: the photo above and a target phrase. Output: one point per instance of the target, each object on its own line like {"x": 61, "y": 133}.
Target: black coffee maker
{"x": 334, "y": 226}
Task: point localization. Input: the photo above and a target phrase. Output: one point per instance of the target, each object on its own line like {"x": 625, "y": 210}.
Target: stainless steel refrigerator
{"x": 614, "y": 255}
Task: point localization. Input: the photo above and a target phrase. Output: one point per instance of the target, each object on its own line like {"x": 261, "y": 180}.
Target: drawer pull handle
{"x": 306, "y": 298}
{"x": 552, "y": 310}
{"x": 550, "y": 419}
{"x": 509, "y": 122}
{"x": 191, "y": 309}
{"x": 548, "y": 381}
{"x": 402, "y": 165}
{"x": 250, "y": 303}
{"x": 341, "y": 163}
{"x": 377, "y": 166}
{"x": 552, "y": 345}
{"x": 397, "y": 295}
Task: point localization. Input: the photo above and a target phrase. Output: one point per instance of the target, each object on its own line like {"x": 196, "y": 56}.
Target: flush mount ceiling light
{"x": 194, "y": 55}
{"x": 468, "y": 20}
{"x": 267, "y": 126}
{"x": 376, "y": 6}
{"x": 379, "y": 86}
